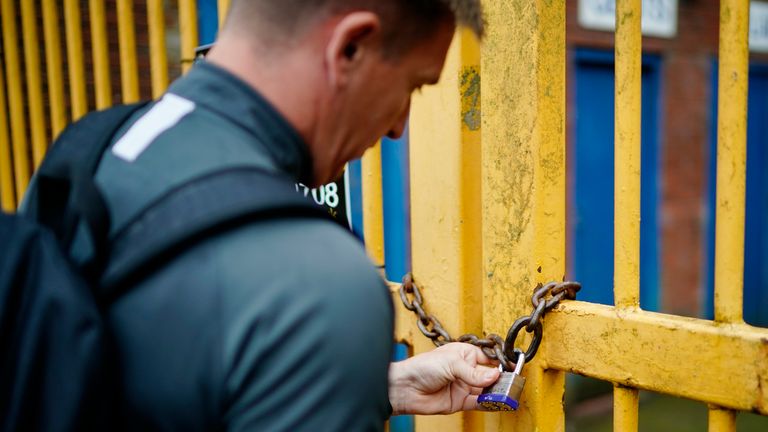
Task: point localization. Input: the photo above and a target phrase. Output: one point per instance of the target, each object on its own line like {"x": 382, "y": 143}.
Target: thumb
{"x": 477, "y": 376}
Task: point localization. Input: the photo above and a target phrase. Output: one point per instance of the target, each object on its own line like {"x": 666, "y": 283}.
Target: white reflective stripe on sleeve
{"x": 163, "y": 116}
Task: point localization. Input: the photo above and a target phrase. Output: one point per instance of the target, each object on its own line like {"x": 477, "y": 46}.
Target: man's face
{"x": 377, "y": 99}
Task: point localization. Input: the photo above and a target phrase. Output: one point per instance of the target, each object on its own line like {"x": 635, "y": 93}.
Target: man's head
{"x": 341, "y": 71}
{"x": 403, "y": 21}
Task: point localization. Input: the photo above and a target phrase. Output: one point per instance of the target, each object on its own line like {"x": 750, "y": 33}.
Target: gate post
{"x": 445, "y": 209}
{"x": 523, "y": 183}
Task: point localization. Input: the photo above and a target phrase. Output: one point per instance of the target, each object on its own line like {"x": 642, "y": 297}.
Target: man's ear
{"x": 353, "y": 39}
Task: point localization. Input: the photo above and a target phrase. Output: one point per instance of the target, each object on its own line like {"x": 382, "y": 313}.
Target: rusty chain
{"x": 493, "y": 345}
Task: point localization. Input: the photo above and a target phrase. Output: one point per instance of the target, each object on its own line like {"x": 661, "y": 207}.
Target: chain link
{"x": 493, "y": 345}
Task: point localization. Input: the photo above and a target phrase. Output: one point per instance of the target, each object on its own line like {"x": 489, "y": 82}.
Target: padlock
{"x": 504, "y": 394}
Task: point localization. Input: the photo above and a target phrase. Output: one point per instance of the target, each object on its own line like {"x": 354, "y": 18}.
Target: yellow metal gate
{"x": 488, "y": 196}
{"x": 488, "y": 222}
{"x": 26, "y": 128}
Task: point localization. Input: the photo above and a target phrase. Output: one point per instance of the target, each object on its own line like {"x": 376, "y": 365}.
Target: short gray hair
{"x": 403, "y": 21}
{"x": 469, "y": 14}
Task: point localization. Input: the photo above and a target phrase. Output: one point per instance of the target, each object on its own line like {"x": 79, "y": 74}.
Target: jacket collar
{"x": 218, "y": 90}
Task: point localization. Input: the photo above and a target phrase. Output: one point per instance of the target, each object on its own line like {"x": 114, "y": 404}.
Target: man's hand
{"x": 442, "y": 381}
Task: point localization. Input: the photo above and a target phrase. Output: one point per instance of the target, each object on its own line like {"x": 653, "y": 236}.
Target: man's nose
{"x": 399, "y": 127}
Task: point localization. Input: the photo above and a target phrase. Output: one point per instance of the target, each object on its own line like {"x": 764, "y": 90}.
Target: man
{"x": 282, "y": 324}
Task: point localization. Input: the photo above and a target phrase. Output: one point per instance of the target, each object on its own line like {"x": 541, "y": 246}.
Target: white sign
{"x": 659, "y": 16}
{"x": 758, "y": 27}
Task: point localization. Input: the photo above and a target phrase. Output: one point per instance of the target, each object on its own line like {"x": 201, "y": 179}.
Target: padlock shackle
{"x": 520, "y": 361}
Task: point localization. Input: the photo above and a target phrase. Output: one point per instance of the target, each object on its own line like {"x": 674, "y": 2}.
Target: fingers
{"x": 475, "y": 375}
{"x": 482, "y": 358}
{"x": 478, "y": 354}
{"x": 469, "y": 367}
{"x": 476, "y": 390}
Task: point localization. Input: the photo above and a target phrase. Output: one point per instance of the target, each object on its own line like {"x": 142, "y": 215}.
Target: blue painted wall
{"x": 397, "y": 231}
{"x": 756, "y": 239}
{"x": 397, "y": 206}
{"x": 356, "y": 196}
{"x": 207, "y": 21}
{"x": 591, "y": 170}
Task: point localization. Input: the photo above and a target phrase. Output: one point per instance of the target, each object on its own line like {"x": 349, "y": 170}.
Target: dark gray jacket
{"x": 280, "y": 325}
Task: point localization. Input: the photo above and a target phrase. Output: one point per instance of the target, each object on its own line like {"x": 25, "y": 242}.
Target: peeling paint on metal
{"x": 731, "y": 160}
{"x": 445, "y": 210}
{"x": 470, "y": 97}
{"x": 662, "y": 353}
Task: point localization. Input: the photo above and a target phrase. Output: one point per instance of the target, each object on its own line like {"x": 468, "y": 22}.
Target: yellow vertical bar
{"x": 523, "y": 184}
{"x": 188, "y": 30}
{"x": 373, "y": 220}
{"x": 721, "y": 420}
{"x": 54, "y": 66}
{"x": 223, "y": 9}
{"x": 733, "y": 77}
{"x": 373, "y": 212}
{"x": 15, "y": 97}
{"x": 549, "y": 204}
{"x": 34, "y": 82}
{"x": 73, "y": 26}
{"x": 627, "y": 155}
{"x": 158, "y": 56}
{"x": 7, "y": 195}
{"x": 627, "y": 184}
{"x": 446, "y": 230}
{"x": 127, "y": 37}
{"x": 625, "y": 403}
{"x": 101, "y": 74}
{"x": 731, "y": 160}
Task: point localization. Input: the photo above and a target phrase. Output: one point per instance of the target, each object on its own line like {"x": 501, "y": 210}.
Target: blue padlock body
{"x": 498, "y": 398}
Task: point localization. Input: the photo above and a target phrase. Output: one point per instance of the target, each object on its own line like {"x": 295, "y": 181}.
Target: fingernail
{"x": 491, "y": 374}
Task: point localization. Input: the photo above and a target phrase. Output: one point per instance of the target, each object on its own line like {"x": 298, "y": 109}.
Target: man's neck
{"x": 279, "y": 79}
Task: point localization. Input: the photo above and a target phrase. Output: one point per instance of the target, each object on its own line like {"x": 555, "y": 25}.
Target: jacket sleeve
{"x": 308, "y": 333}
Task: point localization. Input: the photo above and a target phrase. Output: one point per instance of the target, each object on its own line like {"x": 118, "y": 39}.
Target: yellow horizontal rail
{"x": 720, "y": 364}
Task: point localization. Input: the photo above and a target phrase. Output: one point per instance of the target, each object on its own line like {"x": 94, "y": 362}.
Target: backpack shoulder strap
{"x": 65, "y": 192}
{"x": 193, "y": 211}
{"x": 86, "y": 140}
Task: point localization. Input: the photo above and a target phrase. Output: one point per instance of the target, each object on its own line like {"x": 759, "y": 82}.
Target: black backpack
{"x": 55, "y": 372}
